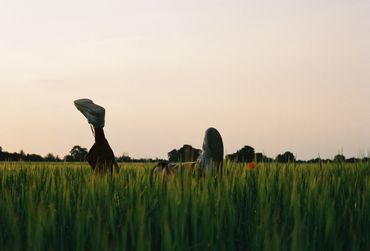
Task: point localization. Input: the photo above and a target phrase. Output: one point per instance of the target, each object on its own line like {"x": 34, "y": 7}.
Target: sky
{"x": 275, "y": 75}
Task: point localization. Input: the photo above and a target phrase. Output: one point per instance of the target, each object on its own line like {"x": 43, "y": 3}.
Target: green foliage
{"x": 65, "y": 206}
{"x": 77, "y": 153}
{"x": 246, "y": 154}
{"x": 286, "y": 157}
{"x": 339, "y": 158}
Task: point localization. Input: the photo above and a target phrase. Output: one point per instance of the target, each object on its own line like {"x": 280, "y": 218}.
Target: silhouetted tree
{"x": 173, "y": 156}
{"x": 353, "y": 160}
{"x": 50, "y": 157}
{"x": 316, "y": 160}
{"x": 185, "y": 154}
{"x": 285, "y": 157}
{"x": 259, "y": 157}
{"x": 77, "y": 153}
{"x": 124, "y": 158}
{"x": 339, "y": 158}
{"x": 326, "y": 161}
{"x": 246, "y": 154}
{"x": 5, "y": 156}
{"x": 33, "y": 157}
{"x": 67, "y": 158}
{"x": 22, "y": 155}
{"x": 188, "y": 153}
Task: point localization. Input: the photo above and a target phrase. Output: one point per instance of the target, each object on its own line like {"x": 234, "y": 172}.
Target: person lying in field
{"x": 211, "y": 157}
{"x": 101, "y": 157}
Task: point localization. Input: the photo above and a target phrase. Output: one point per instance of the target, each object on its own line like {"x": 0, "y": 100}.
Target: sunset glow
{"x": 276, "y": 75}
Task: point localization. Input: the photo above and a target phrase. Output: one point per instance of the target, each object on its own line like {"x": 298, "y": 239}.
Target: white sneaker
{"x": 94, "y": 113}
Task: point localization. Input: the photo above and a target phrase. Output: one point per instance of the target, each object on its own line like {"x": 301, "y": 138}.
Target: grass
{"x": 64, "y": 206}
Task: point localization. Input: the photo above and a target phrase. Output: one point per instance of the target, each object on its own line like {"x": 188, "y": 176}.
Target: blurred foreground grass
{"x": 64, "y": 206}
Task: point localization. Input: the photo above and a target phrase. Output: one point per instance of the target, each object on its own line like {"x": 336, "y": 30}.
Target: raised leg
{"x": 100, "y": 157}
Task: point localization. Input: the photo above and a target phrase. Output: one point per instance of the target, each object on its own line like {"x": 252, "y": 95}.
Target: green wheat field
{"x": 64, "y": 206}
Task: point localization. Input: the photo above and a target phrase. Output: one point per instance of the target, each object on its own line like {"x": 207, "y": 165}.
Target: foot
{"x": 94, "y": 113}
{"x": 213, "y": 150}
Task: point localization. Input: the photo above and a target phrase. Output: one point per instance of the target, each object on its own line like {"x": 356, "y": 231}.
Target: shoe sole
{"x": 87, "y": 105}
{"x": 89, "y": 109}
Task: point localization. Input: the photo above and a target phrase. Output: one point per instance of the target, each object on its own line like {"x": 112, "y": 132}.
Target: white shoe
{"x": 94, "y": 113}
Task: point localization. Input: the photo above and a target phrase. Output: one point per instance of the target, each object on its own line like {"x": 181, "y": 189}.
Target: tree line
{"x": 184, "y": 154}
{"x": 247, "y": 154}
{"x": 76, "y": 154}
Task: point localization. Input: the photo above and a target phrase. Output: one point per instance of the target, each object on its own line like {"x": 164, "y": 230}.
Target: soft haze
{"x": 276, "y": 75}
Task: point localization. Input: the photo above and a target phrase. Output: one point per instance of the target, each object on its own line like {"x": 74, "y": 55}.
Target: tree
{"x": 316, "y": 160}
{"x": 246, "y": 154}
{"x": 22, "y": 155}
{"x": 173, "y": 156}
{"x": 187, "y": 153}
{"x": 124, "y": 158}
{"x": 50, "y": 157}
{"x": 77, "y": 153}
{"x": 57, "y": 158}
{"x": 260, "y": 157}
{"x": 339, "y": 158}
{"x": 353, "y": 160}
{"x": 33, "y": 157}
{"x": 285, "y": 157}
{"x": 19, "y": 156}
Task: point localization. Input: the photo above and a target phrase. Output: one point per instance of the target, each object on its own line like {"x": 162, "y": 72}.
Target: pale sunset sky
{"x": 276, "y": 75}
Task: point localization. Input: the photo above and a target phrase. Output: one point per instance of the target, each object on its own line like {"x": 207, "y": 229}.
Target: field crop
{"x": 64, "y": 206}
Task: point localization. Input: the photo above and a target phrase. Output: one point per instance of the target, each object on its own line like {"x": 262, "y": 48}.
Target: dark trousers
{"x": 101, "y": 157}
